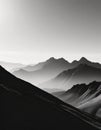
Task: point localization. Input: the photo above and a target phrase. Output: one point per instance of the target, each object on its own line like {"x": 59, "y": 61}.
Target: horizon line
{"x": 45, "y": 59}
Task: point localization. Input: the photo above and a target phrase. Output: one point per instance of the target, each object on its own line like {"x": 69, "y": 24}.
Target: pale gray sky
{"x": 33, "y": 30}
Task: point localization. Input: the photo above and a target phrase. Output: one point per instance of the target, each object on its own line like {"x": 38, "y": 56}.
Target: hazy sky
{"x": 33, "y": 30}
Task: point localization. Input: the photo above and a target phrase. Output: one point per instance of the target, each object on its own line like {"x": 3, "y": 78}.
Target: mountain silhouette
{"x": 83, "y": 73}
{"x": 24, "y": 106}
{"x": 83, "y": 60}
{"x": 42, "y": 71}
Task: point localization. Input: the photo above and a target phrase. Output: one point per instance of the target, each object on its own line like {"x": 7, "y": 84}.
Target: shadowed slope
{"x": 84, "y": 97}
{"x": 81, "y": 93}
{"x": 92, "y": 106}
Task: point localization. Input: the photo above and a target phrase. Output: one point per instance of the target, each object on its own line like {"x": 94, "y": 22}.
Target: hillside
{"x": 24, "y": 106}
{"x": 85, "y": 97}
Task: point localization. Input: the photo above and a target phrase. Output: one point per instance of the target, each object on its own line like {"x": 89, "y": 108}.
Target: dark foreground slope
{"x": 25, "y": 107}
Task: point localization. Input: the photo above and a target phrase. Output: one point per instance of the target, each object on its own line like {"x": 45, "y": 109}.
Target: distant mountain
{"x": 25, "y": 107}
{"x": 50, "y": 63}
{"x": 84, "y": 97}
{"x": 34, "y": 67}
{"x": 62, "y": 61}
{"x": 83, "y": 60}
{"x": 83, "y": 73}
{"x": 11, "y": 66}
{"x": 42, "y": 71}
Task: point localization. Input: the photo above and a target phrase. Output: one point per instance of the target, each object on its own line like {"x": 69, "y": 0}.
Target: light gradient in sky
{"x": 33, "y": 30}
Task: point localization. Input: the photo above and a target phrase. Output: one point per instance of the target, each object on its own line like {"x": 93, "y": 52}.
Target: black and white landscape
{"x": 75, "y": 86}
{"x": 50, "y": 64}
{"x": 24, "y": 106}
{"x": 60, "y": 74}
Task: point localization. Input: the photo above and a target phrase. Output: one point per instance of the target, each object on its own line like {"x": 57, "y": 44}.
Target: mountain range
{"x": 83, "y": 73}
{"x": 23, "y": 106}
{"x": 86, "y": 97}
{"x": 43, "y": 72}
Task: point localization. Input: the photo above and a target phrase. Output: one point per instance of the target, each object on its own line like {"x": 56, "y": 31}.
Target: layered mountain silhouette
{"x": 83, "y": 73}
{"x": 83, "y": 60}
{"x": 26, "y": 107}
{"x": 84, "y": 97}
{"x": 42, "y": 72}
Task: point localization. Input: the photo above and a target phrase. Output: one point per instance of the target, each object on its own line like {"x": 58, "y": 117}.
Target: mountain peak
{"x": 52, "y": 59}
{"x": 83, "y": 60}
{"x": 62, "y": 60}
